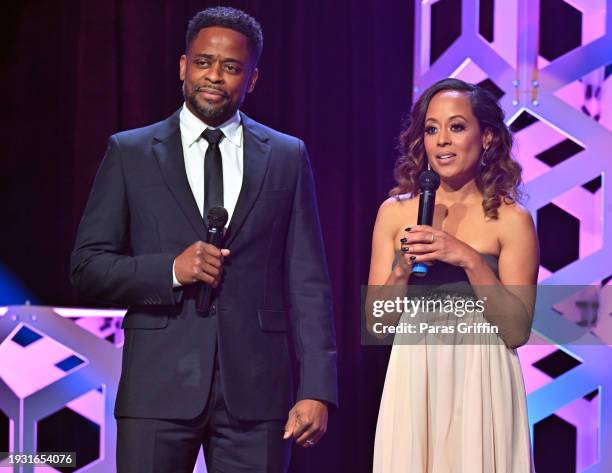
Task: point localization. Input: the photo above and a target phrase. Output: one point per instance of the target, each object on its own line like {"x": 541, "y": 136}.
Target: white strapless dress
{"x": 453, "y": 409}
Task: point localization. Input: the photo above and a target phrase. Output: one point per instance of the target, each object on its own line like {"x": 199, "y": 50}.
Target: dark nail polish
{"x": 404, "y": 240}
{"x": 412, "y": 258}
{"x": 408, "y": 229}
{"x": 405, "y": 249}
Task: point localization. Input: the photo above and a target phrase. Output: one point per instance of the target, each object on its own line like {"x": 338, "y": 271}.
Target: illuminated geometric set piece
{"x": 61, "y": 366}
{"x": 53, "y": 371}
{"x": 582, "y": 413}
{"x": 41, "y": 360}
{"x": 560, "y": 95}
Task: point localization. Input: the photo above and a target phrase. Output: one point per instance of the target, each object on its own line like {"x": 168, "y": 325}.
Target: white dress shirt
{"x": 232, "y": 158}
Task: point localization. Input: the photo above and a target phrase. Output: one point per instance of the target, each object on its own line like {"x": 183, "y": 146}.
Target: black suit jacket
{"x": 141, "y": 214}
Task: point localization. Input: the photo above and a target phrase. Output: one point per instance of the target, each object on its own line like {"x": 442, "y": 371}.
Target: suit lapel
{"x": 168, "y": 149}
{"x": 255, "y": 164}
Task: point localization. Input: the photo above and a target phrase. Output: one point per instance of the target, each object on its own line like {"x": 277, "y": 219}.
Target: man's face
{"x": 217, "y": 72}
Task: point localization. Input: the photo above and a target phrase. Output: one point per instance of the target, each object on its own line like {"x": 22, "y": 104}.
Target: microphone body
{"x": 429, "y": 181}
{"x": 217, "y": 218}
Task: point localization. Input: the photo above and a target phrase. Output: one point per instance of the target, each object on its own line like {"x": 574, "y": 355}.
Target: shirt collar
{"x": 192, "y": 127}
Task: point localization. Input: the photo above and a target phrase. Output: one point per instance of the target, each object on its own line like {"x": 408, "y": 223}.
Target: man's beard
{"x": 208, "y": 112}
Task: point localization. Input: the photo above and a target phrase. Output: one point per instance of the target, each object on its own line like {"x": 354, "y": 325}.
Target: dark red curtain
{"x": 337, "y": 73}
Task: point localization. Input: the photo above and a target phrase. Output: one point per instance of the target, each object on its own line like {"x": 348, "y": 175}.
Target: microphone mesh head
{"x": 217, "y": 217}
{"x": 429, "y": 180}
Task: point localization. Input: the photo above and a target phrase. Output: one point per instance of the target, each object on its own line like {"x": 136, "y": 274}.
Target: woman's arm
{"x": 511, "y": 297}
{"x": 381, "y": 272}
{"x": 384, "y": 247}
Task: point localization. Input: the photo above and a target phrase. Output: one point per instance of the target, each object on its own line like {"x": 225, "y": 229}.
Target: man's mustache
{"x": 212, "y": 90}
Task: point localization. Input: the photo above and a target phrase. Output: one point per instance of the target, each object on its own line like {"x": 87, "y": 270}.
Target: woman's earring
{"x": 483, "y": 157}
{"x": 428, "y": 165}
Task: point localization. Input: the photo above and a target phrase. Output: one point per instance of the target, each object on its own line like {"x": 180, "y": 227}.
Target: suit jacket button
{"x": 212, "y": 310}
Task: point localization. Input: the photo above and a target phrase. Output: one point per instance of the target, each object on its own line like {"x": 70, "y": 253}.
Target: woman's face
{"x": 453, "y": 139}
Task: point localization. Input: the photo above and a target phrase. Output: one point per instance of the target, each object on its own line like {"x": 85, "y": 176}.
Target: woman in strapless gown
{"x": 457, "y": 406}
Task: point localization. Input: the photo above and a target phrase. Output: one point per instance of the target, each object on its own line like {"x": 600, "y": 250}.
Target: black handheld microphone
{"x": 429, "y": 182}
{"x": 217, "y": 218}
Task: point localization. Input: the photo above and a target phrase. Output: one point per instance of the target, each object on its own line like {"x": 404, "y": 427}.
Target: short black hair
{"x": 228, "y": 17}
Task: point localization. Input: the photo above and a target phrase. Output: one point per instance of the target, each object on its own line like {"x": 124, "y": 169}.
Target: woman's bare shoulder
{"x": 399, "y": 202}
{"x": 397, "y": 207}
{"x": 514, "y": 222}
{"x": 514, "y": 214}
{"x": 395, "y": 213}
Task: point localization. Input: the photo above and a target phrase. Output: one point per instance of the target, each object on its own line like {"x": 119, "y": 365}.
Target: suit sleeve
{"x": 309, "y": 293}
{"x": 101, "y": 266}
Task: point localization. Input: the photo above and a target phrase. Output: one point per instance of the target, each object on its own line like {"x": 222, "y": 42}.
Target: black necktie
{"x": 213, "y": 171}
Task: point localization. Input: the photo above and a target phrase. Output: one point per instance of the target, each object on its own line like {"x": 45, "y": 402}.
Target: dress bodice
{"x": 447, "y": 278}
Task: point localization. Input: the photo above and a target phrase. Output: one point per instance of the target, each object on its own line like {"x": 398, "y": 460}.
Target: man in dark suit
{"x": 219, "y": 378}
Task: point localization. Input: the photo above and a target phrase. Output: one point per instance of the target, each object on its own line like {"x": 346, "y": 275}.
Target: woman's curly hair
{"x": 500, "y": 176}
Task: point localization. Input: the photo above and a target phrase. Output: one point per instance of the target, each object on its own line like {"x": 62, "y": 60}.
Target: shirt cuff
{"x": 175, "y": 282}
